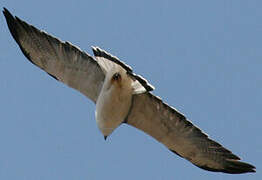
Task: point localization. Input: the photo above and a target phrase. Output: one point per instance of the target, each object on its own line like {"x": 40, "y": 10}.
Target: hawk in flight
{"x": 121, "y": 96}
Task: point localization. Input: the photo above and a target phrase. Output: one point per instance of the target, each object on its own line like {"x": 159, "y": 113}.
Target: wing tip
{"x": 232, "y": 167}
{"x": 238, "y": 167}
{"x": 6, "y": 12}
{"x": 11, "y": 23}
{"x": 14, "y": 23}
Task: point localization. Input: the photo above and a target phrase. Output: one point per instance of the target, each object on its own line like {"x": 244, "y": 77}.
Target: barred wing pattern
{"x": 151, "y": 115}
{"x": 62, "y": 60}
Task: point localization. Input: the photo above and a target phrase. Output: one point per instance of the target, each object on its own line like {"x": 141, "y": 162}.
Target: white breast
{"x": 113, "y": 102}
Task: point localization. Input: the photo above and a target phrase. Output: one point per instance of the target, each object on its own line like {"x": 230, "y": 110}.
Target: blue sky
{"x": 203, "y": 57}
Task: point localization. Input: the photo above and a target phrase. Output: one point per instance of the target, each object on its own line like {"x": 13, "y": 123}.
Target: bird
{"x": 122, "y": 97}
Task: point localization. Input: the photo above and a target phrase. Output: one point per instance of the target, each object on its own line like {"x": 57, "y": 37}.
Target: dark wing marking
{"x": 62, "y": 60}
{"x": 172, "y": 129}
{"x": 102, "y": 53}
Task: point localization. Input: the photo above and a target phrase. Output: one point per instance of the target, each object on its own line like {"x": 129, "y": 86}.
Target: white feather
{"x": 137, "y": 87}
{"x": 105, "y": 64}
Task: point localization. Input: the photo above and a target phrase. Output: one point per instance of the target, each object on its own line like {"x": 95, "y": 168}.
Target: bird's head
{"x": 117, "y": 78}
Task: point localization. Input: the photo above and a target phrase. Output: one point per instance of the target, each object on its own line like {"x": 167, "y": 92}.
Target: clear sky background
{"x": 204, "y": 58}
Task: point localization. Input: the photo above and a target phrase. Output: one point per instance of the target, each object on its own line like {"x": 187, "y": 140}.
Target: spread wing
{"x": 62, "y": 60}
{"x": 172, "y": 129}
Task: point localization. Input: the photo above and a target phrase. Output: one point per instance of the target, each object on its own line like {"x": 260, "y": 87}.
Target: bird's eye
{"x": 116, "y": 77}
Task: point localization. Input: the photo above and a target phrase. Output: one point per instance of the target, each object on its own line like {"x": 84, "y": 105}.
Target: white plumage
{"x": 114, "y": 100}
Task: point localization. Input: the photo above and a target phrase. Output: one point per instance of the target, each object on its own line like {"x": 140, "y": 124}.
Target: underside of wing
{"x": 172, "y": 129}
{"x": 62, "y": 60}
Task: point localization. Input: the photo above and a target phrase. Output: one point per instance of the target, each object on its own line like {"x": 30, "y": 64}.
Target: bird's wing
{"x": 62, "y": 60}
{"x": 151, "y": 115}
